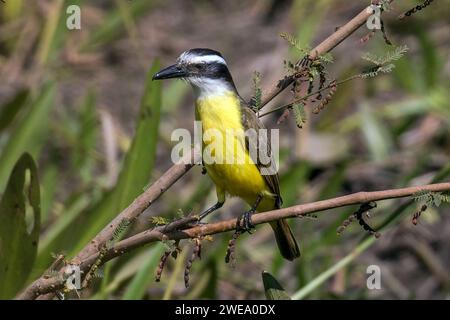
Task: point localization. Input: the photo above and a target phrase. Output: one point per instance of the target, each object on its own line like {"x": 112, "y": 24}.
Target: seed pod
{"x": 328, "y": 98}
{"x": 230, "y": 256}
{"x": 162, "y": 263}
{"x": 195, "y": 253}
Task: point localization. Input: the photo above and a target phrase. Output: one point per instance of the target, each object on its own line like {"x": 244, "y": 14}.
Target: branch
{"x": 43, "y": 285}
{"x": 141, "y": 203}
{"x": 324, "y": 47}
{"x": 164, "y": 233}
{"x": 306, "y": 96}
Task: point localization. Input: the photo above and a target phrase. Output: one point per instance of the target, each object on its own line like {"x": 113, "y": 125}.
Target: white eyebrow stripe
{"x": 202, "y": 59}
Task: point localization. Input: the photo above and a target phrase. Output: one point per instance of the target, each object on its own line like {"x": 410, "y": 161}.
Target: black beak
{"x": 174, "y": 71}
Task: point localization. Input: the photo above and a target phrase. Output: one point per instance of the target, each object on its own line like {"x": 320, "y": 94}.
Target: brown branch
{"x": 141, "y": 203}
{"x": 324, "y": 47}
{"x": 43, "y": 286}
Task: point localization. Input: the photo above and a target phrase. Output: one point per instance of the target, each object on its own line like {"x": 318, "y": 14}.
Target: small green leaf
{"x": 258, "y": 92}
{"x": 390, "y": 56}
{"x": 294, "y": 42}
{"x": 170, "y": 245}
{"x": 19, "y": 233}
{"x": 273, "y": 290}
{"x": 299, "y": 114}
{"x": 158, "y": 221}
{"x": 120, "y": 230}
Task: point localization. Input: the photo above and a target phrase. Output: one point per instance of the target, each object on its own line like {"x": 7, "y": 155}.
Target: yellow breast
{"x": 221, "y": 115}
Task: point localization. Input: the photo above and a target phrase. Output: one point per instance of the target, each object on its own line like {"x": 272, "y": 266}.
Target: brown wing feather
{"x": 251, "y": 120}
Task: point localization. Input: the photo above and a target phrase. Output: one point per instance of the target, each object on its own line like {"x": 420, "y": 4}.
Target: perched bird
{"x": 218, "y": 106}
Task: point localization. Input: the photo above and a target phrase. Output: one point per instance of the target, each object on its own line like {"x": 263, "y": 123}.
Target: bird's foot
{"x": 199, "y": 223}
{"x": 244, "y": 222}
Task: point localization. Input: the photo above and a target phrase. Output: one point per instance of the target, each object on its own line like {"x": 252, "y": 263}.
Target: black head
{"x": 196, "y": 65}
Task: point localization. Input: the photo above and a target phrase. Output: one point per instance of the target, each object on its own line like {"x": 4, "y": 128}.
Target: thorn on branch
{"x": 196, "y": 253}
{"x": 230, "y": 256}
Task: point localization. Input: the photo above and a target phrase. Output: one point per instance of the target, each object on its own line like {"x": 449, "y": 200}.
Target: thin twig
{"x": 324, "y": 47}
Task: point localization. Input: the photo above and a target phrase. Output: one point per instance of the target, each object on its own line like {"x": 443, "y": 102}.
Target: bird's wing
{"x": 251, "y": 121}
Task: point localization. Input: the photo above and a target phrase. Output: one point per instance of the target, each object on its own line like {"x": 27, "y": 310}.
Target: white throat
{"x": 206, "y": 87}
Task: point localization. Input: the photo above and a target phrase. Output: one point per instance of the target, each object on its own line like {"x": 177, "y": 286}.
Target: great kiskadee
{"x": 218, "y": 106}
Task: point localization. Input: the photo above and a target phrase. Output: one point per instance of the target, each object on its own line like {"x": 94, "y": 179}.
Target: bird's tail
{"x": 285, "y": 239}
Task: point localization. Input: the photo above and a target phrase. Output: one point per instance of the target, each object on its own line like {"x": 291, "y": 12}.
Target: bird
{"x": 219, "y": 107}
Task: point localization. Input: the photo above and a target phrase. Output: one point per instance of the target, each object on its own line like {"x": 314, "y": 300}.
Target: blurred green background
{"x": 82, "y": 104}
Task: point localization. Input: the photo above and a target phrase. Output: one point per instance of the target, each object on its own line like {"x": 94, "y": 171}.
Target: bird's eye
{"x": 198, "y": 66}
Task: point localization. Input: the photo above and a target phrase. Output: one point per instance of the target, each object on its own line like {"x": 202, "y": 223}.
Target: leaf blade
{"x": 272, "y": 288}
{"x": 18, "y": 247}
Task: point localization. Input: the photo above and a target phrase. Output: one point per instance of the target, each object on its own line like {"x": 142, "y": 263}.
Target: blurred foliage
{"x": 389, "y": 131}
{"x": 19, "y": 226}
{"x": 273, "y": 289}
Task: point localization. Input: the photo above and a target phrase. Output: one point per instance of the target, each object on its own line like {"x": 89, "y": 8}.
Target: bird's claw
{"x": 198, "y": 222}
{"x": 244, "y": 222}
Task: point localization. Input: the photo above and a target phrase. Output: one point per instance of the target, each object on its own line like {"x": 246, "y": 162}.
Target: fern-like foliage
{"x": 180, "y": 212}
{"x": 294, "y": 42}
{"x": 299, "y": 114}
{"x": 159, "y": 221}
{"x": 326, "y": 58}
{"x": 256, "y": 100}
{"x": 373, "y": 72}
{"x": 120, "y": 230}
{"x": 171, "y": 245}
{"x": 390, "y": 56}
{"x": 118, "y": 233}
{"x": 305, "y": 50}
{"x": 431, "y": 198}
{"x": 383, "y": 64}
{"x": 385, "y": 5}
